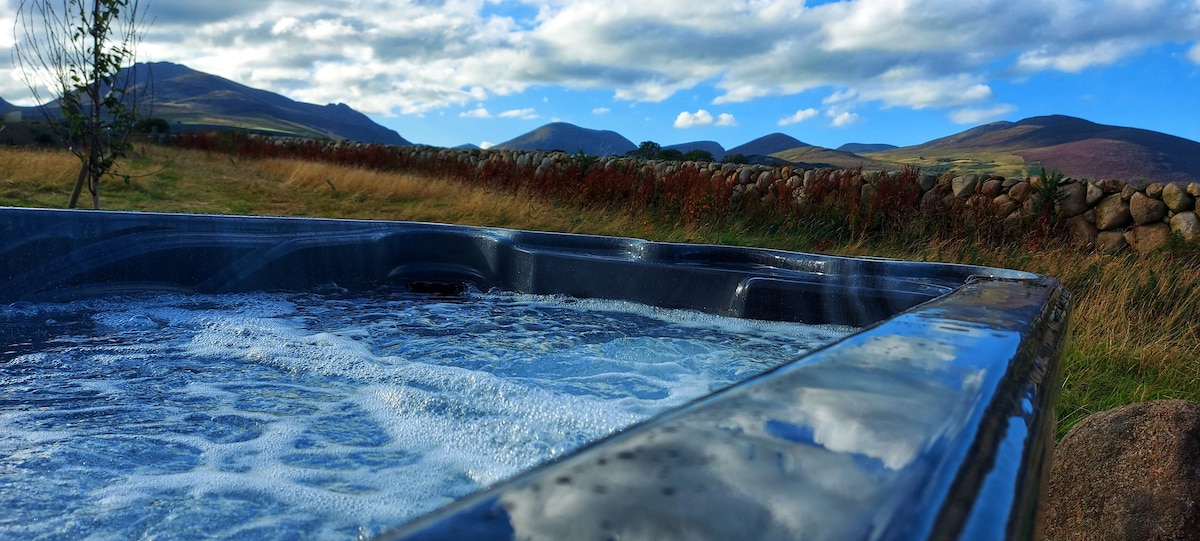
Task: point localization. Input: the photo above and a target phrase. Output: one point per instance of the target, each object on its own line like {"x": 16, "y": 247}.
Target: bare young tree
{"x": 82, "y": 53}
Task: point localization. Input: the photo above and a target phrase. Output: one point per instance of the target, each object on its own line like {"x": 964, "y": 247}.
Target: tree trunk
{"x": 83, "y": 174}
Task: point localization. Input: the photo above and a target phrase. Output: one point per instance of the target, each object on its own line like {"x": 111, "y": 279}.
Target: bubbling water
{"x": 329, "y": 415}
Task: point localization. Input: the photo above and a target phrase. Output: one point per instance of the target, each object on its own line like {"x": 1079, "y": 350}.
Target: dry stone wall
{"x": 1106, "y": 214}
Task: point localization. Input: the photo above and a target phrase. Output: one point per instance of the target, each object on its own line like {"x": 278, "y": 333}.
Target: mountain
{"x": 190, "y": 99}
{"x": 712, "y": 147}
{"x": 468, "y": 146}
{"x": 855, "y": 148}
{"x": 570, "y": 138}
{"x": 812, "y": 156}
{"x": 1077, "y": 147}
{"x": 195, "y": 99}
{"x": 767, "y": 145}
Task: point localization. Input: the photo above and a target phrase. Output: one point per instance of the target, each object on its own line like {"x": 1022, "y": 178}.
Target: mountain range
{"x": 191, "y": 100}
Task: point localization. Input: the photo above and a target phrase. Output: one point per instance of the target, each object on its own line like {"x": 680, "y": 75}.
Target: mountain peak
{"x": 768, "y": 144}
{"x": 570, "y": 138}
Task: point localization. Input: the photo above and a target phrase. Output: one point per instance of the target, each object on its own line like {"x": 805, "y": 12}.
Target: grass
{"x": 1134, "y": 330}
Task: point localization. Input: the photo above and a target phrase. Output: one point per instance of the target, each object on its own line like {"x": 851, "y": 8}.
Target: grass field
{"x": 1135, "y": 327}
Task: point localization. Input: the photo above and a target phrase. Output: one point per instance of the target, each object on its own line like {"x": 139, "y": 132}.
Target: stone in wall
{"x": 1110, "y": 185}
{"x": 1094, "y": 194}
{"x": 1177, "y": 199}
{"x": 1080, "y": 232}
{"x": 1021, "y": 191}
{"x": 1148, "y": 238}
{"x": 1110, "y": 241}
{"x": 964, "y": 185}
{"x": 1146, "y": 210}
{"x": 1112, "y": 213}
{"x": 1131, "y": 473}
{"x": 1193, "y": 189}
{"x": 1186, "y": 225}
{"x": 1005, "y": 205}
{"x": 1072, "y": 199}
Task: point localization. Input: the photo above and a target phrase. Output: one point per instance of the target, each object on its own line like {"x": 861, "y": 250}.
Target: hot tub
{"x": 933, "y": 420}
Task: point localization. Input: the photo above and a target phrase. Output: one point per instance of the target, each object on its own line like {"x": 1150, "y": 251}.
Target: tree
{"x": 698, "y": 155}
{"x": 670, "y": 154}
{"x": 648, "y": 150}
{"x": 82, "y": 52}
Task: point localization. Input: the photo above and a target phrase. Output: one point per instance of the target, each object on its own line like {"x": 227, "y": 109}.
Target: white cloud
{"x": 477, "y": 112}
{"x": 980, "y": 115}
{"x": 486, "y": 145}
{"x": 703, "y": 118}
{"x": 800, "y": 116}
{"x": 601, "y": 111}
{"x": 523, "y": 114}
{"x": 690, "y": 120}
{"x": 842, "y": 118}
{"x": 414, "y": 57}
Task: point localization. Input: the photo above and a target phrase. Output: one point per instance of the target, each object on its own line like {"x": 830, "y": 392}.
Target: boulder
{"x": 1128, "y": 191}
{"x": 1154, "y": 190}
{"x": 1110, "y": 185}
{"x": 1112, "y": 213}
{"x": 1131, "y": 473}
{"x": 1146, "y": 210}
{"x": 928, "y": 181}
{"x": 1110, "y": 241}
{"x": 1020, "y": 191}
{"x": 1005, "y": 205}
{"x": 964, "y": 185}
{"x": 1193, "y": 189}
{"x": 1148, "y": 238}
{"x": 992, "y": 187}
{"x": 1080, "y": 232}
{"x": 1186, "y": 225}
{"x": 1072, "y": 200}
{"x": 1177, "y": 199}
{"x": 1094, "y": 194}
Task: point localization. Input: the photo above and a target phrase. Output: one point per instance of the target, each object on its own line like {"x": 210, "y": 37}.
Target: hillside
{"x": 1077, "y": 147}
{"x": 823, "y": 157}
{"x": 191, "y": 99}
{"x": 855, "y": 148}
{"x": 570, "y": 138}
{"x": 712, "y": 147}
{"x": 767, "y": 145}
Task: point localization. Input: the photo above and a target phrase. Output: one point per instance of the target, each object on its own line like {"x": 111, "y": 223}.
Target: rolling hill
{"x": 768, "y": 145}
{"x": 712, "y": 147}
{"x": 570, "y": 138}
{"x": 191, "y": 99}
{"x": 1077, "y": 147}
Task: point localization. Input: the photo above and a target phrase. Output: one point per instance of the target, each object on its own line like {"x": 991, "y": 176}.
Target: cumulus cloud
{"x": 477, "y": 112}
{"x": 979, "y": 115}
{"x": 601, "y": 111}
{"x": 703, "y": 118}
{"x": 523, "y": 114}
{"x": 413, "y": 57}
{"x": 800, "y": 116}
{"x": 486, "y": 145}
{"x": 690, "y": 120}
{"x": 841, "y": 118}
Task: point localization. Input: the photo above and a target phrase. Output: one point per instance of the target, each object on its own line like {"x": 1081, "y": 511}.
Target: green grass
{"x": 1134, "y": 331}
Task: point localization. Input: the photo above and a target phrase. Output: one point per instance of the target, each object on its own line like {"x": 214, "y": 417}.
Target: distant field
{"x": 1133, "y": 336}
{"x": 960, "y": 161}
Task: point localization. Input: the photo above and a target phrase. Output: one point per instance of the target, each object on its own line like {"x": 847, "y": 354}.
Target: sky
{"x": 450, "y": 72}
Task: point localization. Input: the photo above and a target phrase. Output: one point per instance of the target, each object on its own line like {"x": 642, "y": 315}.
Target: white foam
{"x": 348, "y": 414}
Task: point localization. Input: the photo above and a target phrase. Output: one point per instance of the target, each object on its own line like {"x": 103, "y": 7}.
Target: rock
{"x": 1010, "y": 182}
{"x": 964, "y": 185}
{"x": 1131, "y": 473}
{"x": 1090, "y": 216}
{"x": 1072, "y": 199}
{"x": 1177, "y": 198}
{"x": 1080, "y": 232}
{"x": 744, "y": 175}
{"x": 764, "y": 181}
{"x": 928, "y": 181}
{"x": 1110, "y": 241}
{"x": 1186, "y": 225}
{"x": 1094, "y": 194}
{"x": 1112, "y": 213}
{"x": 1127, "y": 192}
{"x": 992, "y": 187}
{"x": 1148, "y": 238}
{"x": 931, "y": 201}
{"x": 1110, "y": 185}
{"x": 1020, "y": 191}
{"x": 1146, "y": 210}
{"x": 1193, "y": 189}
{"x": 1154, "y": 190}
{"x": 1005, "y": 205}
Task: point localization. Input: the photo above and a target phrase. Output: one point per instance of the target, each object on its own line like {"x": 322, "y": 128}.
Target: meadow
{"x": 1134, "y": 332}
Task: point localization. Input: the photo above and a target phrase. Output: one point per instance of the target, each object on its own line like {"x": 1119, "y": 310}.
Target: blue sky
{"x": 448, "y": 72}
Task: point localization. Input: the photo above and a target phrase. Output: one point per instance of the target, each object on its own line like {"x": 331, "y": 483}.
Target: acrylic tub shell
{"x": 934, "y": 421}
